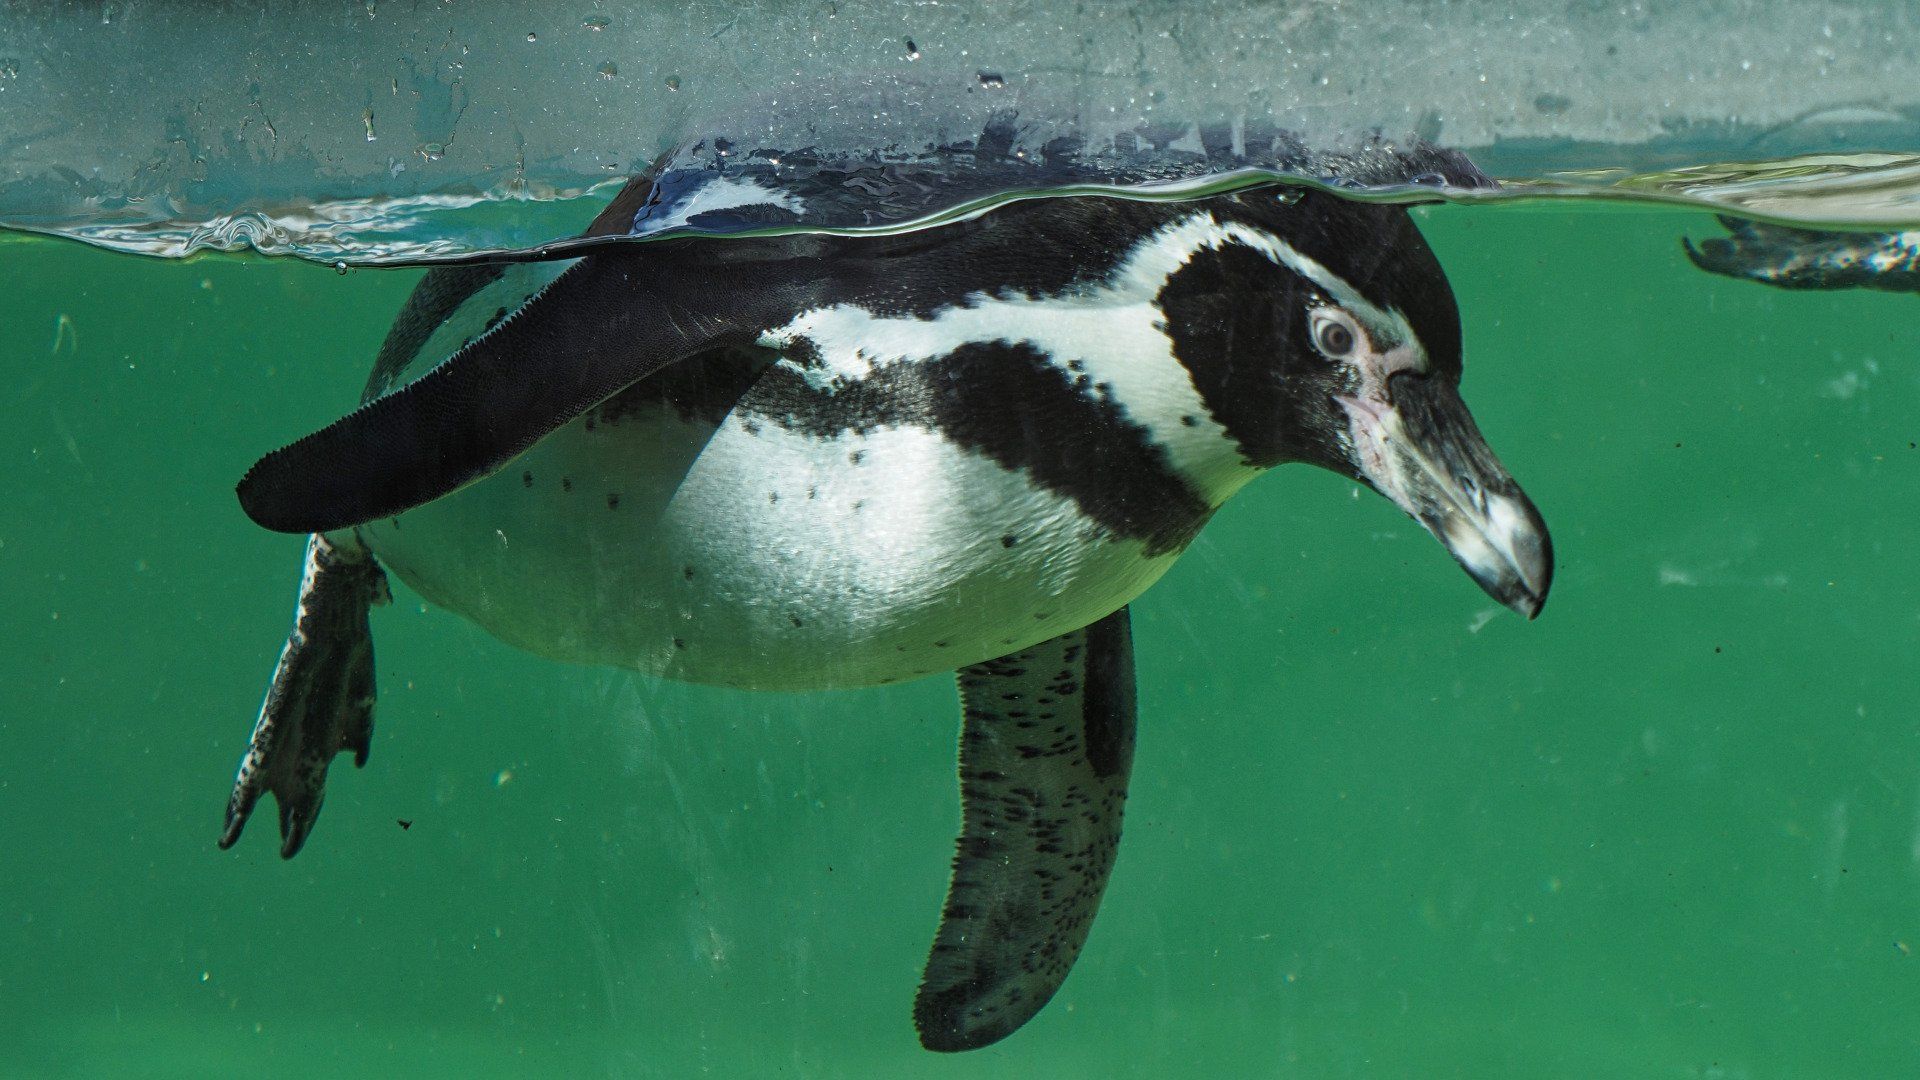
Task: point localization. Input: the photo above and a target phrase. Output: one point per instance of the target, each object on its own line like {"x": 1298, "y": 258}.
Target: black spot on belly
{"x": 795, "y": 619}
{"x": 613, "y": 500}
{"x": 679, "y": 643}
{"x": 1190, "y": 420}
{"x": 566, "y": 483}
{"x": 773, "y": 497}
{"x": 856, "y": 457}
{"x": 1009, "y": 540}
{"x": 526, "y": 479}
{"x": 687, "y": 572}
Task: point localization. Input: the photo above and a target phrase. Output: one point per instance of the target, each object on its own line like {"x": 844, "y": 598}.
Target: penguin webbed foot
{"x": 320, "y": 701}
{"x": 1794, "y": 258}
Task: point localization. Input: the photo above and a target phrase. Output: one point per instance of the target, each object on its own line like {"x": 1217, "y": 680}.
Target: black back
{"x": 624, "y": 313}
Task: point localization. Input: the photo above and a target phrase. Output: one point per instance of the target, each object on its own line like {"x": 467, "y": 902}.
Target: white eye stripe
{"x": 1387, "y": 326}
{"x": 1385, "y": 329}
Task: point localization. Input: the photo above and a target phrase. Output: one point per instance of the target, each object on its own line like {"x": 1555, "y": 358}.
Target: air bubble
{"x": 913, "y": 51}
{"x": 340, "y": 268}
{"x": 673, "y": 83}
{"x": 531, "y": 36}
{"x": 607, "y": 70}
{"x": 992, "y": 81}
{"x": 596, "y": 24}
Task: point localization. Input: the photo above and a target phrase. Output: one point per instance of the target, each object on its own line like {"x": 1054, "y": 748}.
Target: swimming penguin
{"x": 810, "y": 461}
{"x": 1794, "y": 258}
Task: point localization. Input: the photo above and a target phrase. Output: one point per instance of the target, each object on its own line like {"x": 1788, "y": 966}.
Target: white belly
{"x": 747, "y": 555}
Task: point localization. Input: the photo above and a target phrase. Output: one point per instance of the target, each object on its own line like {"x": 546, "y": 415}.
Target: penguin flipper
{"x": 610, "y": 320}
{"x": 320, "y": 702}
{"x": 1045, "y": 751}
{"x": 1793, "y": 258}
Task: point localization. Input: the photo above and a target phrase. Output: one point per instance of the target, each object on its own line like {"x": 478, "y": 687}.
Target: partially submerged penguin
{"x": 1795, "y": 258}
{"x": 810, "y": 461}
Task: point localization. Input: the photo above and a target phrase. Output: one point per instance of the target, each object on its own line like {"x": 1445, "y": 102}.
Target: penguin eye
{"x": 1333, "y": 337}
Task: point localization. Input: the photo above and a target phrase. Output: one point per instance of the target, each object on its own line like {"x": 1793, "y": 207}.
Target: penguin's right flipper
{"x": 1046, "y": 747}
{"x": 1793, "y": 258}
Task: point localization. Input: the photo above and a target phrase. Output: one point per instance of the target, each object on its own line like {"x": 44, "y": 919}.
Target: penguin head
{"x": 1323, "y": 330}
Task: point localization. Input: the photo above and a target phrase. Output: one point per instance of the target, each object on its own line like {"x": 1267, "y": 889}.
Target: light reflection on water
{"x": 1861, "y": 191}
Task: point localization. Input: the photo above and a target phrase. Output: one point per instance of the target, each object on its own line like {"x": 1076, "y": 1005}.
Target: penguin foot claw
{"x": 320, "y": 701}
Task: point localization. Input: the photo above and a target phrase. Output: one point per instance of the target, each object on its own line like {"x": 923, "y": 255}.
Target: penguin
{"x": 810, "y": 461}
{"x": 1795, "y": 258}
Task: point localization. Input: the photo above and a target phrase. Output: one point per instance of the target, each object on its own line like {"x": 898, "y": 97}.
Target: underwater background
{"x": 1378, "y": 827}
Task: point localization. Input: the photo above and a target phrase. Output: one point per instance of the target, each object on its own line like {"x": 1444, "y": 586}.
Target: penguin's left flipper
{"x": 320, "y": 702}
{"x": 1793, "y": 258}
{"x": 607, "y": 322}
{"x": 1046, "y": 747}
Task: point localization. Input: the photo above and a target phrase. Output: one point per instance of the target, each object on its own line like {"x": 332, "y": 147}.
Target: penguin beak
{"x": 1422, "y": 450}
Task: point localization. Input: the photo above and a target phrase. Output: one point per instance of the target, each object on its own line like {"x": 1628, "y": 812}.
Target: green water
{"x": 1377, "y": 829}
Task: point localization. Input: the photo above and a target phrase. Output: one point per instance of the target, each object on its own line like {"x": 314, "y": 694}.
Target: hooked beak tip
{"x": 1528, "y": 604}
{"x": 1507, "y": 551}
{"x": 1523, "y": 599}
{"x": 1422, "y": 450}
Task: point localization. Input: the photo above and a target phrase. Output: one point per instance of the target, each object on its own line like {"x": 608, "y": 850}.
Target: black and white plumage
{"x": 813, "y": 461}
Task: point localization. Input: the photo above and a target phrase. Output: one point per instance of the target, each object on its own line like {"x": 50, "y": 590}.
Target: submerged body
{"x": 799, "y": 462}
{"x": 734, "y": 555}
{"x": 758, "y": 521}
